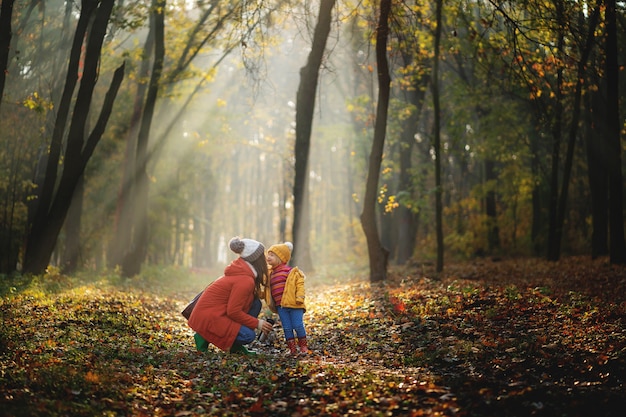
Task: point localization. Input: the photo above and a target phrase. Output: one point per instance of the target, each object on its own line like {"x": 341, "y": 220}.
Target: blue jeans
{"x": 247, "y": 335}
{"x": 292, "y": 319}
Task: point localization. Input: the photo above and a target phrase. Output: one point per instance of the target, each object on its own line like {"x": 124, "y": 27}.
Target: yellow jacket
{"x": 293, "y": 294}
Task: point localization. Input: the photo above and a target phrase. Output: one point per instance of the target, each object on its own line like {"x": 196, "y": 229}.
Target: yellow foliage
{"x": 92, "y": 377}
{"x": 392, "y": 204}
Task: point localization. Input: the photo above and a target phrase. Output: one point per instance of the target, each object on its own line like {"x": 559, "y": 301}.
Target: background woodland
{"x": 138, "y": 133}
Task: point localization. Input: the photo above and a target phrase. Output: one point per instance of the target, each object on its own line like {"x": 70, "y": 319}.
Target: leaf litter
{"x": 488, "y": 338}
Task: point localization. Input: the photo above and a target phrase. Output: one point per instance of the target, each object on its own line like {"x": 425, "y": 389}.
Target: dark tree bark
{"x": 38, "y": 253}
{"x": 437, "y": 140}
{"x": 40, "y": 209}
{"x": 573, "y": 133}
{"x": 493, "y": 231}
{"x": 378, "y": 255}
{"x": 6, "y": 15}
{"x": 406, "y": 219}
{"x": 538, "y": 219}
{"x": 598, "y": 174}
{"x": 70, "y": 256}
{"x": 305, "y": 106}
{"x": 53, "y": 207}
{"x": 554, "y": 228}
{"x": 617, "y": 246}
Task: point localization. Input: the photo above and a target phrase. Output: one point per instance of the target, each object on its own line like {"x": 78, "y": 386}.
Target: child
{"x": 286, "y": 295}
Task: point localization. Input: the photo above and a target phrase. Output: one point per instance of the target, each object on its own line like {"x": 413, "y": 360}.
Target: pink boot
{"x": 291, "y": 344}
{"x": 304, "y": 349}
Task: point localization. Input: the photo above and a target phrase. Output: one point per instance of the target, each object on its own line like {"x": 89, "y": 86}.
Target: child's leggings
{"x": 292, "y": 319}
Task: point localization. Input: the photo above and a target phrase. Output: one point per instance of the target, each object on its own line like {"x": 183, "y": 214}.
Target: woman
{"x": 226, "y": 312}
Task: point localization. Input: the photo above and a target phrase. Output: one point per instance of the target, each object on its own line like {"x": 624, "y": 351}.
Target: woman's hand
{"x": 265, "y": 326}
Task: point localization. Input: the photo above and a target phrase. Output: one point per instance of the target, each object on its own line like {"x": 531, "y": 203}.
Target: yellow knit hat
{"x": 282, "y": 250}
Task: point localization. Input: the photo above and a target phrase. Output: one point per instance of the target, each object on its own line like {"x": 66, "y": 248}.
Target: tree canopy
{"x": 526, "y": 138}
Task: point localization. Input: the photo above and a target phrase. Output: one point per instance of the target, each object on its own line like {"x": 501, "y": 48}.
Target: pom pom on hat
{"x": 282, "y": 250}
{"x": 248, "y": 249}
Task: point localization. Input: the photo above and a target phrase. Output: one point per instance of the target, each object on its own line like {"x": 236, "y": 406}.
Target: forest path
{"x": 511, "y": 338}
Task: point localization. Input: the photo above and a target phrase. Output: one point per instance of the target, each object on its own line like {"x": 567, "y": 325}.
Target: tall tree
{"x": 70, "y": 256}
{"x": 54, "y": 201}
{"x": 617, "y": 248}
{"x": 132, "y": 260}
{"x": 573, "y": 133}
{"x": 128, "y": 247}
{"x": 305, "y": 106}
{"x": 120, "y": 244}
{"x": 597, "y": 170}
{"x": 378, "y": 255}
{"x": 406, "y": 220}
{"x": 437, "y": 139}
{"x": 6, "y": 14}
{"x": 414, "y": 77}
{"x": 554, "y": 228}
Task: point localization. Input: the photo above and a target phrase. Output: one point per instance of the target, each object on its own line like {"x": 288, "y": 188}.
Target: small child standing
{"x": 286, "y": 295}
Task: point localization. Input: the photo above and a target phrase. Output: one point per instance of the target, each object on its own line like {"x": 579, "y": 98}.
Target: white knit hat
{"x": 248, "y": 249}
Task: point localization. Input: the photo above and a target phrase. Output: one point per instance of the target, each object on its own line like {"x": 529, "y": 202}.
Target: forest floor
{"x": 507, "y": 338}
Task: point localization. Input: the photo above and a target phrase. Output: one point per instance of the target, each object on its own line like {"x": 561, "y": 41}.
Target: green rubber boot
{"x": 201, "y": 344}
{"x": 242, "y": 349}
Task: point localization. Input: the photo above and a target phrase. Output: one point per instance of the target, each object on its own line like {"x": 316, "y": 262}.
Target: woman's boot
{"x": 242, "y": 349}
{"x": 201, "y": 344}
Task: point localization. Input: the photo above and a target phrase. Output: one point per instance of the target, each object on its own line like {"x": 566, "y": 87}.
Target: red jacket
{"x": 223, "y": 306}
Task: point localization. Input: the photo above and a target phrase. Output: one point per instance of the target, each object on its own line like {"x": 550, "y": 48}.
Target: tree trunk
{"x": 46, "y": 190}
{"x": 597, "y": 156}
{"x": 131, "y": 264}
{"x": 573, "y": 132}
{"x": 121, "y": 243}
{"x": 283, "y": 195}
{"x": 555, "y": 231}
{"x": 305, "y": 106}
{"x": 70, "y": 255}
{"x": 6, "y": 15}
{"x": 493, "y": 232}
{"x": 44, "y": 233}
{"x": 437, "y": 141}
{"x": 378, "y": 255}
{"x": 617, "y": 247}
{"x": 41, "y": 246}
{"x": 405, "y": 219}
